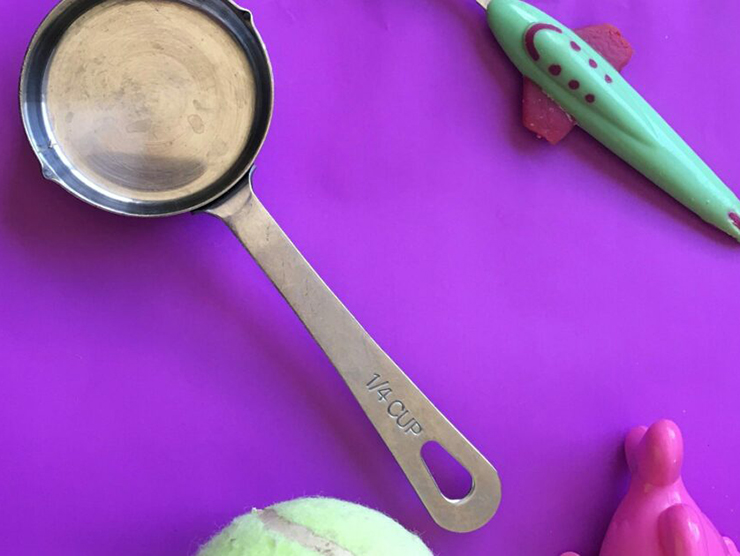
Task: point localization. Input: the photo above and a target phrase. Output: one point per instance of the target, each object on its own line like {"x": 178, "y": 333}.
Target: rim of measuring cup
{"x": 237, "y": 20}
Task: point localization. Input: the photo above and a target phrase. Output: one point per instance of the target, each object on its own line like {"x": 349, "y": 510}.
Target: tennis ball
{"x": 311, "y": 526}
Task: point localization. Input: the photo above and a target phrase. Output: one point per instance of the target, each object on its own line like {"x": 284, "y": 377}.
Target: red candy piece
{"x": 541, "y": 114}
{"x": 608, "y": 41}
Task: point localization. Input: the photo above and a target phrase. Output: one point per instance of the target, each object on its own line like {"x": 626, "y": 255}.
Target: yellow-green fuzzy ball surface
{"x": 311, "y": 526}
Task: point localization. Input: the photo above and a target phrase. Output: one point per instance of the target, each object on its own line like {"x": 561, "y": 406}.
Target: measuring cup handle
{"x": 402, "y": 415}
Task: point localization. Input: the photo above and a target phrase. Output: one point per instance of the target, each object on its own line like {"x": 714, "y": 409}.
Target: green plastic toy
{"x": 588, "y": 88}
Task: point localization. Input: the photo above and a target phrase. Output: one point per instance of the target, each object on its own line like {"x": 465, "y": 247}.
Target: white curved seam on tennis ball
{"x": 274, "y": 522}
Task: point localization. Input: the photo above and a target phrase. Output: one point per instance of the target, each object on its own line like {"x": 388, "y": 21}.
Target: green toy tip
{"x": 735, "y": 219}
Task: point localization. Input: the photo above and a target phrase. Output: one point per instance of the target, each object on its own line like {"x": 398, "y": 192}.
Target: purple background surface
{"x": 154, "y": 385}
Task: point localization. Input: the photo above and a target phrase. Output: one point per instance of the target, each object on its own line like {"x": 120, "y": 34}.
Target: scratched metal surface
{"x": 546, "y": 299}
{"x": 168, "y": 140}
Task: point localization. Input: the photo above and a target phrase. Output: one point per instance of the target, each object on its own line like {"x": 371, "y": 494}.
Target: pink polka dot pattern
{"x": 556, "y": 69}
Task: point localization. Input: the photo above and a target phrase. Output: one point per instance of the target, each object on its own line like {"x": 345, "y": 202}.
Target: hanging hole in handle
{"x": 452, "y": 479}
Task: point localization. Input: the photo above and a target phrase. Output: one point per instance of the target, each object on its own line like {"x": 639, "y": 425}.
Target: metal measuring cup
{"x": 159, "y": 107}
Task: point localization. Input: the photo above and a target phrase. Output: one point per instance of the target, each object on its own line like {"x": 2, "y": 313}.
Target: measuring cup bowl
{"x": 140, "y": 117}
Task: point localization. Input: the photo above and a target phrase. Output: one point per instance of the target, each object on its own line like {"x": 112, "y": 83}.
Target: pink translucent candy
{"x": 658, "y": 517}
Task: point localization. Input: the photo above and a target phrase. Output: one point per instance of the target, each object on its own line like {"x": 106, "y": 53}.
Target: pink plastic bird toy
{"x": 658, "y": 517}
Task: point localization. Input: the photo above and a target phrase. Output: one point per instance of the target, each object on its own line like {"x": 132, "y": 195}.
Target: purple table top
{"x": 154, "y": 385}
